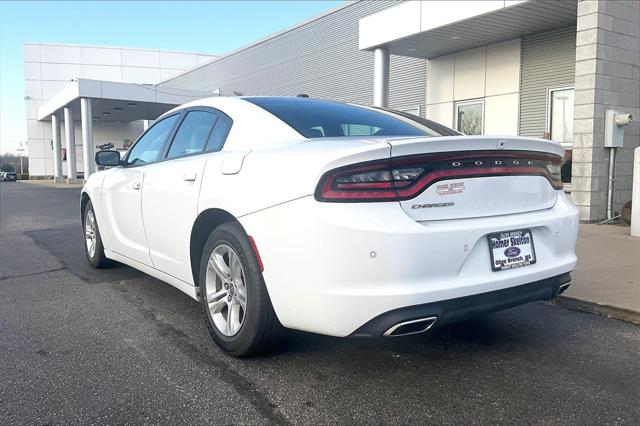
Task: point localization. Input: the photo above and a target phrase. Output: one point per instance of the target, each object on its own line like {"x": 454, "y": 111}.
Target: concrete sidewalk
{"x": 607, "y": 278}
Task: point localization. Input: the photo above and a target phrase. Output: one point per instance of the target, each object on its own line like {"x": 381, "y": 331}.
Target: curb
{"x": 606, "y": 311}
{"x": 52, "y": 184}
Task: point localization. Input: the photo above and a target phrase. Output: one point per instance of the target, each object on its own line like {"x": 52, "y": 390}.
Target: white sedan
{"x": 290, "y": 212}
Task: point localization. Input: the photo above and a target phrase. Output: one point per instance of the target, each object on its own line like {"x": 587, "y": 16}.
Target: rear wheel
{"x": 240, "y": 317}
{"x": 93, "y": 247}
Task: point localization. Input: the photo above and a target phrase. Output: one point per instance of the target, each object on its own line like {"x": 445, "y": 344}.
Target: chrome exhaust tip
{"x": 563, "y": 287}
{"x": 407, "y": 328}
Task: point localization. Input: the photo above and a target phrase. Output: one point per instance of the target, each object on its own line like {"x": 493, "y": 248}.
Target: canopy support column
{"x": 70, "y": 137}
{"x": 381, "y": 77}
{"x": 57, "y": 148}
{"x": 87, "y": 136}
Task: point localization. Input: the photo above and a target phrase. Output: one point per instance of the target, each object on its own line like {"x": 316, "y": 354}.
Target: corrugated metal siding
{"x": 548, "y": 61}
{"x": 320, "y": 58}
{"x": 407, "y": 83}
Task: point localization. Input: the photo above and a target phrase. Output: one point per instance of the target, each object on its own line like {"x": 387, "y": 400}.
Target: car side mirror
{"x": 108, "y": 158}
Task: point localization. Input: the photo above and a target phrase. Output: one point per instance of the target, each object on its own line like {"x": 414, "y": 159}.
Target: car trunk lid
{"x": 476, "y": 176}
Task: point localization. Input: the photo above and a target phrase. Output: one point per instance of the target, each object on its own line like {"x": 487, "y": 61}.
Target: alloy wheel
{"x": 90, "y": 233}
{"x": 226, "y": 294}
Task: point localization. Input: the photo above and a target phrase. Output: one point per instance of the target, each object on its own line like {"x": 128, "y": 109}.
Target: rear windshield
{"x": 315, "y": 118}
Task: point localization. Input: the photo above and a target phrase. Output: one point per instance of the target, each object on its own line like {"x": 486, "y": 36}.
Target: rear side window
{"x": 219, "y": 134}
{"x": 315, "y": 118}
{"x": 193, "y": 133}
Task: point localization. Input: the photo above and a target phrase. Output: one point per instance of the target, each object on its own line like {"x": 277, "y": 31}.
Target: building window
{"x": 414, "y": 111}
{"x": 358, "y": 130}
{"x": 560, "y": 124}
{"x": 469, "y": 117}
{"x": 561, "y": 116}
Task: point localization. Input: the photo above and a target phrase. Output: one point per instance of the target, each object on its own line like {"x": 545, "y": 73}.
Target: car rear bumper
{"x": 461, "y": 308}
{"x": 331, "y": 268}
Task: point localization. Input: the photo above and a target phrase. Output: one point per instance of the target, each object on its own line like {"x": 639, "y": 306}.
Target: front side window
{"x": 149, "y": 146}
{"x": 470, "y": 117}
{"x": 192, "y": 135}
{"x": 316, "y": 118}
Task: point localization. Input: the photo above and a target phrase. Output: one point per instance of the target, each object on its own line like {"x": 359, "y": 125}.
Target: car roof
{"x": 253, "y": 127}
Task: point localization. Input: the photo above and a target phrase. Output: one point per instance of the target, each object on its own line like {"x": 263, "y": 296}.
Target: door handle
{"x": 189, "y": 176}
{"x": 136, "y": 185}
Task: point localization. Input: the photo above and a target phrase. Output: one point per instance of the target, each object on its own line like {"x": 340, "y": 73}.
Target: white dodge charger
{"x": 290, "y": 212}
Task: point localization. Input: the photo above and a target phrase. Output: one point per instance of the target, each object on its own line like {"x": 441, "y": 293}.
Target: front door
{"x": 122, "y": 194}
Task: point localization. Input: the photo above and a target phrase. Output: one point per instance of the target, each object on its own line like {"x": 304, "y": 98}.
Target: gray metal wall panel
{"x": 408, "y": 83}
{"x": 320, "y": 58}
{"x": 548, "y": 61}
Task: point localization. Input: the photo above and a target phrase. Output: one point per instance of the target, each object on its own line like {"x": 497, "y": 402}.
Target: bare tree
{"x": 14, "y": 161}
{"x": 471, "y": 122}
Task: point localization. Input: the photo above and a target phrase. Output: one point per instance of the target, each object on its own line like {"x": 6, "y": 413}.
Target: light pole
{"x": 21, "y": 150}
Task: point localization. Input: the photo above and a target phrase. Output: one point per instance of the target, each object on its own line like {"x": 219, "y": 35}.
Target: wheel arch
{"x": 84, "y": 200}
{"x": 205, "y": 223}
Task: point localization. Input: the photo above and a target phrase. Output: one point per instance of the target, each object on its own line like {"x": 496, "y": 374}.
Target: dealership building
{"x": 546, "y": 69}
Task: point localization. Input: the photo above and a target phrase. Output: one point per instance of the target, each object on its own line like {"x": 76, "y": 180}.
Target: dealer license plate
{"x": 511, "y": 249}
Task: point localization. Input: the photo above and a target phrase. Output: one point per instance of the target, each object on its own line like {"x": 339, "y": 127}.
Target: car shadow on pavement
{"x": 484, "y": 331}
{"x": 67, "y": 245}
{"x": 497, "y": 332}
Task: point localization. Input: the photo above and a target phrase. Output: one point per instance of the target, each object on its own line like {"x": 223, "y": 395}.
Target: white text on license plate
{"x": 511, "y": 249}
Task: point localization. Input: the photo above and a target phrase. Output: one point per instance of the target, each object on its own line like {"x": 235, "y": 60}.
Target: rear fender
{"x": 269, "y": 177}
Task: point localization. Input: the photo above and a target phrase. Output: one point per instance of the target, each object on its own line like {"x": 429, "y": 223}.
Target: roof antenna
{"x": 302, "y": 95}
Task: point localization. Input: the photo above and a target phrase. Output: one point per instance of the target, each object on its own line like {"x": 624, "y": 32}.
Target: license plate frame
{"x": 509, "y": 240}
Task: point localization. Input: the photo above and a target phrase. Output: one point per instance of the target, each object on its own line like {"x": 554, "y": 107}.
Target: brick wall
{"x": 607, "y": 77}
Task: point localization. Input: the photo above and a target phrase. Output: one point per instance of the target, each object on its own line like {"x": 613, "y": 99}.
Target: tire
{"x": 95, "y": 255}
{"x": 253, "y": 329}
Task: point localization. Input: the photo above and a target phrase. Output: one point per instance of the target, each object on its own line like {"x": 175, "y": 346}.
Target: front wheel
{"x": 240, "y": 317}
{"x": 93, "y": 247}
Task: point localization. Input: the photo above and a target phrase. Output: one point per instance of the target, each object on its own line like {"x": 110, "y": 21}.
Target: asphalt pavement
{"x": 79, "y": 346}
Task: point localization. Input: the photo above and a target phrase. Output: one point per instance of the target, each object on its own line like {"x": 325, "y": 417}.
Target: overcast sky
{"x": 208, "y": 27}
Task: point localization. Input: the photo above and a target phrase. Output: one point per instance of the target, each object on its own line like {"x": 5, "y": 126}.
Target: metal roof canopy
{"x": 117, "y": 102}
{"x": 426, "y": 36}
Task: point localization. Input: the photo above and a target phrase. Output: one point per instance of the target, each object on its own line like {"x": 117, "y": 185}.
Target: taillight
{"x": 554, "y": 172}
{"x": 403, "y": 178}
{"x": 375, "y": 181}
{"x": 257, "y": 253}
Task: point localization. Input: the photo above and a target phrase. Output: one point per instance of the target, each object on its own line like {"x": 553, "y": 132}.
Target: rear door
{"x": 121, "y": 194}
{"x": 172, "y": 187}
